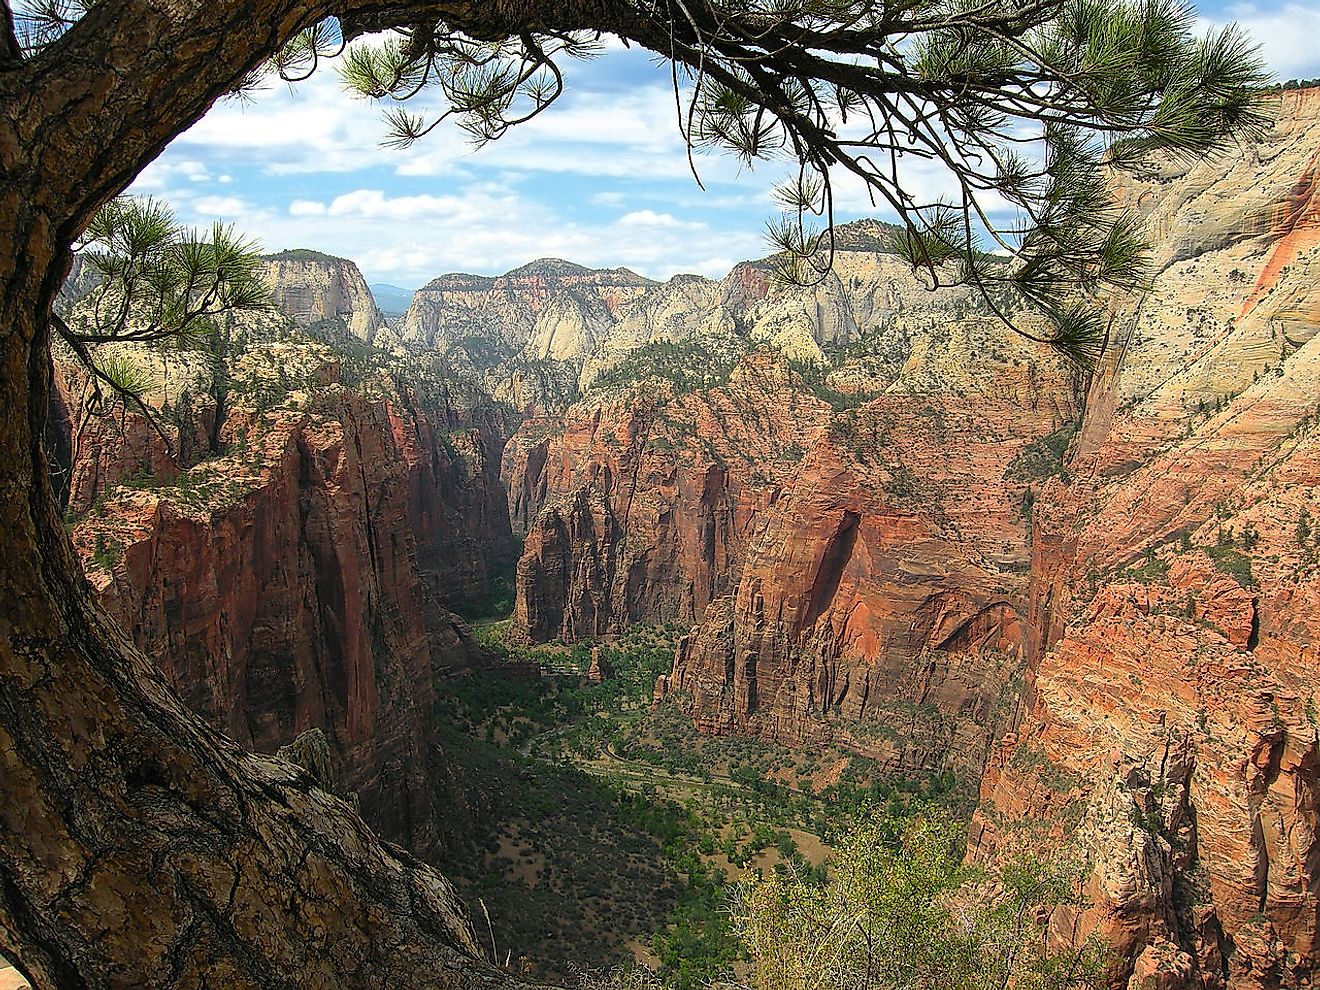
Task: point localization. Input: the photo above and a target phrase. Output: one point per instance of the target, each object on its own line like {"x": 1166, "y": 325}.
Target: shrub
{"x": 899, "y": 909}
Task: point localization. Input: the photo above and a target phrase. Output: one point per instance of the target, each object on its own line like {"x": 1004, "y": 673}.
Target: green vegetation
{"x": 815, "y": 378}
{"x": 1233, "y": 562}
{"x": 689, "y": 365}
{"x": 107, "y": 551}
{"x": 1042, "y": 458}
{"x": 899, "y": 909}
{"x": 501, "y": 589}
{"x": 300, "y": 254}
{"x": 615, "y": 828}
{"x": 1153, "y": 569}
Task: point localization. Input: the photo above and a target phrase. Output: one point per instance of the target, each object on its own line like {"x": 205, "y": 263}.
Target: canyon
{"x": 884, "y": 523}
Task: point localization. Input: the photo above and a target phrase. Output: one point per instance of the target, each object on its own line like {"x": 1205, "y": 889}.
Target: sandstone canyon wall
{"x": 841, "y": 509}
{"x": 297, "y": 572}
{"x": 549, "y": 309}
{"x": 1169, "y": 734}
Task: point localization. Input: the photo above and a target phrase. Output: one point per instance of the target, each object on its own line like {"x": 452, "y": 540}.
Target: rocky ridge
{"x": 546, "y": 309}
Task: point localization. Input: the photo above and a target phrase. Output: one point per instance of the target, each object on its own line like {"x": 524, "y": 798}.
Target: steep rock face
{"x": 637, "y": 505}
{"x": 312, "y": 288}
{"x": 567, "y": 328}
{"x": 881, "y": 597}
{"x": 477, "y": 321}
{"x": 686, "y": 307}
{"x": 1169, "y": 733}
{"x": 92, "y": 453}
{"x": 299, "y": 581}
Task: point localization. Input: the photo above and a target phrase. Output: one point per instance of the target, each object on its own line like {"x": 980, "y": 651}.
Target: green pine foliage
{"x": 154, "y": 282}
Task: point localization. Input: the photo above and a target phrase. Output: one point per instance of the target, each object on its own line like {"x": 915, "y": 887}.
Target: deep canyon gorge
{"x": 883, "y": 523}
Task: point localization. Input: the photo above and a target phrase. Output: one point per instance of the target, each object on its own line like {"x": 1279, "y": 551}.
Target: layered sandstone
{"x": 1169, "y": 735}
{"x": 836, "y": 531}
{"x": 477, "y": 321}
{"x": 299, "y": 577}
{"x": 637, "y": 504}
{"x": 1152, "y": 578}
{"x": 881, "y": 596}
{"x": 322, "y": 291}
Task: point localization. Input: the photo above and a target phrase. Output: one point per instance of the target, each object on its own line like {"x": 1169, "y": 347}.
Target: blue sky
{"x": 601, "y": 178}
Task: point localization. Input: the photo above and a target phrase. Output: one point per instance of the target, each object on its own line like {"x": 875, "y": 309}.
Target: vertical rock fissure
{"x": 837, "y": 554}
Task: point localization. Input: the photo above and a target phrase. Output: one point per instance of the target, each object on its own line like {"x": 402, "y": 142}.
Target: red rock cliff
{"x": 638, "y": 504}
{"x": 1169, "y": 731}
{"x": 880, "y": 601}
{"x": 300, "y": 579}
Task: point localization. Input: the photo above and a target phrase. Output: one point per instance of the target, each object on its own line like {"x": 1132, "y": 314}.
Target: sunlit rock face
{"x": 1169, "y": 730}
{"x": 549, "y": 309}
{"x": 843, "y": 538}
{"x": 319, "y": 290}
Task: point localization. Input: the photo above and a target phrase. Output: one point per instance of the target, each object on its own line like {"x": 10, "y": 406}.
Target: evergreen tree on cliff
{"x": 140, "y": 849}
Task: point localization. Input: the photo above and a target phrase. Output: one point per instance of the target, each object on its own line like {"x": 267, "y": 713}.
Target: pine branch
{"x": 98, "y": 406}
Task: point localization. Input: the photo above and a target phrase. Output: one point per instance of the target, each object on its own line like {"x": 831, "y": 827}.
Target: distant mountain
{"x": 316, "y": 289}
{"x": 391, "y": 299}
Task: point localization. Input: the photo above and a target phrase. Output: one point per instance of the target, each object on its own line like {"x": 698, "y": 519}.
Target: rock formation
{"x": 601, "y": 669}
{"x": 319, "y": 290}
{"x": 1125, "y": 573}
{"x": 476, "y": 321}
{"x": 888, "y": 524}
{"x": 859, "y": 515}
{"x": 1170, "y": 731}
{"x": 297, "y": 577}
{"x": 881, "y": 595}
{"x": 638, "y": 505}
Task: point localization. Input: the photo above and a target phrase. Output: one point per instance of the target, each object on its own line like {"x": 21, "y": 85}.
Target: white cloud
{"x": 304, "y": 169}
{"x": 306, "y": 208}
{"x": 1287, "y": 35}
{"x": 161, "y": 173}
{"x": 221, "y": 207}
{"x": 649, "y": 218}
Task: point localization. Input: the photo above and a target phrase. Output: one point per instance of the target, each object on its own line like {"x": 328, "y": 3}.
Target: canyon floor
{"x": 611, "y": 826}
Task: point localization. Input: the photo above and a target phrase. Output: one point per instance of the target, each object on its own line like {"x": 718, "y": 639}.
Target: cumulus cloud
{"x": 306, "y": 208}
{"x": 220, "y": 207}
{"x": 1286, "y": 34}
